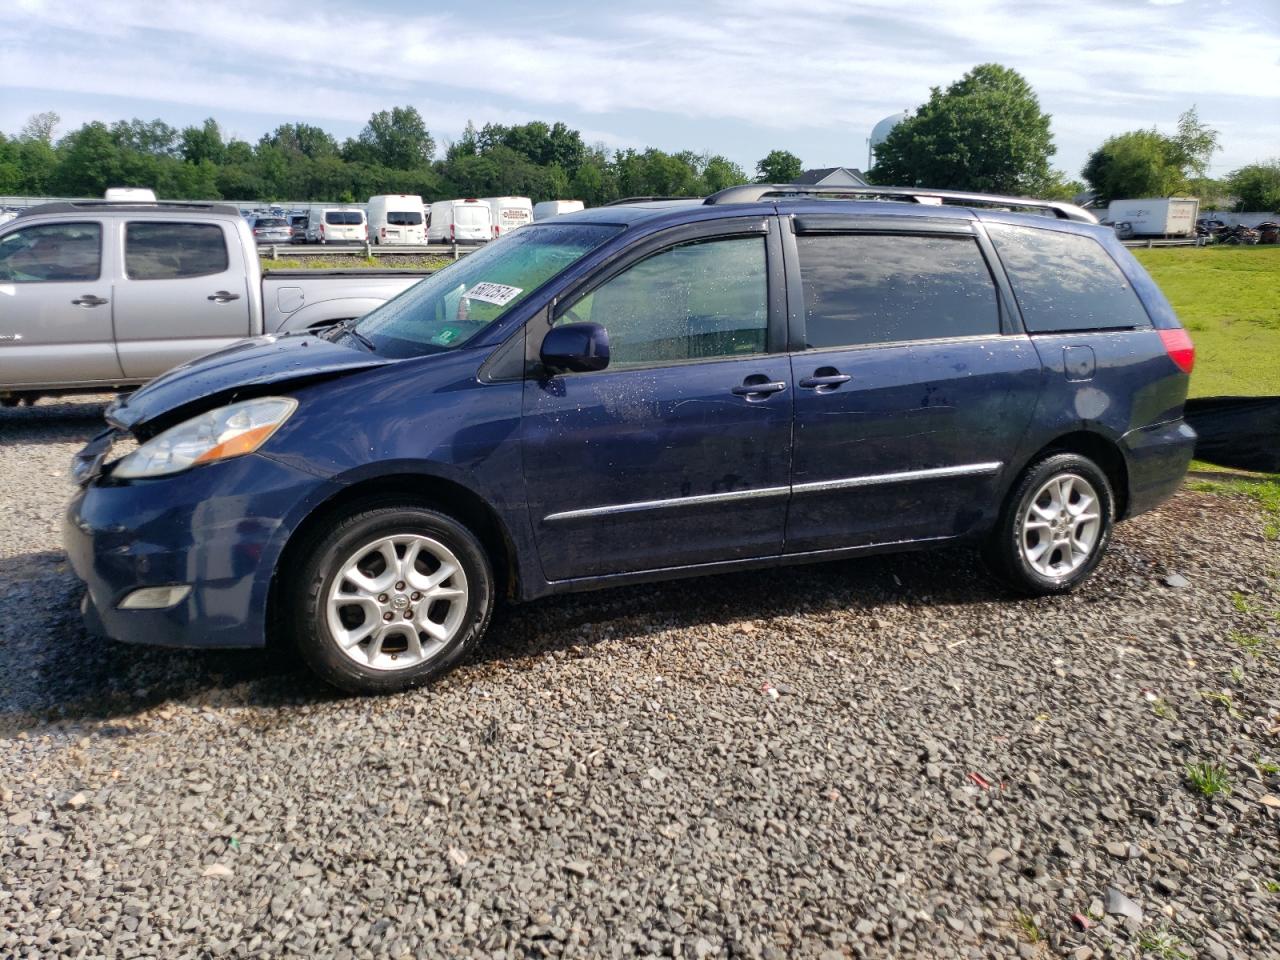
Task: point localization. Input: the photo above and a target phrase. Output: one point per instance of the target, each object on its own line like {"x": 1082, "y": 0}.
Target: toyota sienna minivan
{"x": 775, "y": 375}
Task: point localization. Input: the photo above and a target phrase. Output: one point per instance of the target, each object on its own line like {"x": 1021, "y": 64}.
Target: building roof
{"x": 813, "y": 177}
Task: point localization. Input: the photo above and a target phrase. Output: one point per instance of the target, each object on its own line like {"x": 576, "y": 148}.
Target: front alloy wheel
{"x": 397, "y": 602}
{"x": 392, "y": 596}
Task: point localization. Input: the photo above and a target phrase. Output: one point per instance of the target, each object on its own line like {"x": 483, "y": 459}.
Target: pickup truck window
{"x": 51, "y": 253}
{"x": 454, "y": 304}
{"x": 172, "y": 251}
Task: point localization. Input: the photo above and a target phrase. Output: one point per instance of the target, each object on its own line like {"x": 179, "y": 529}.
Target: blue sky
{"x": 736, "y": 77}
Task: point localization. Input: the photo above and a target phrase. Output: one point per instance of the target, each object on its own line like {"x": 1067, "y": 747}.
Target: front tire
{"x": 390, "y": 598}
{"x": 1055, "y": 526}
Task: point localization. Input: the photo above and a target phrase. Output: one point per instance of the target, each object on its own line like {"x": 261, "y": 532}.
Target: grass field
{"x": 1229, "y": 299}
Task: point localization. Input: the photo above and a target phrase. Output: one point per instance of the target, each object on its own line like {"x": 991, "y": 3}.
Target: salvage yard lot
{"x": 941, "y": 768}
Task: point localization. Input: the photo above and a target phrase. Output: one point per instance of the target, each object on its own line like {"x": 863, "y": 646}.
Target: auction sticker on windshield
{"x": 497, "y": 293}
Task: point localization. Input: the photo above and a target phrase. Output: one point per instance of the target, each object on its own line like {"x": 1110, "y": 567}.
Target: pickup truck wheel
{"x": 391, "y": 597}
{"x": 1055, "y": 526}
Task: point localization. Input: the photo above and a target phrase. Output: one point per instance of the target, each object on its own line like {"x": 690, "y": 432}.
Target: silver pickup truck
{"x": 97, "y": 295}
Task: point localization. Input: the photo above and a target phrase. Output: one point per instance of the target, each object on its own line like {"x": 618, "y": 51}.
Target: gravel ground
{"x": 887, "y": 757}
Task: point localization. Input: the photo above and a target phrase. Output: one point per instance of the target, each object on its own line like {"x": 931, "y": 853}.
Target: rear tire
{"x": 1055, "y": 526}
{"x": 390, "y": 598}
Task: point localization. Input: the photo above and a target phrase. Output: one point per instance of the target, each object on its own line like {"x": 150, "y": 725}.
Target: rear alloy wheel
{"x": 1055, "y": 526}
{"x": 392, "y": 597}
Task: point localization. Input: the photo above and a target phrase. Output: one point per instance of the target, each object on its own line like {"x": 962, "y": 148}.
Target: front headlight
{"x": 230, "y": 431}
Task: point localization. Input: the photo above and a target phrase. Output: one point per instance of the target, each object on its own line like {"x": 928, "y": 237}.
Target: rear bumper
{"x": 187, "y": 529}
{"x": 1158, "y": 457}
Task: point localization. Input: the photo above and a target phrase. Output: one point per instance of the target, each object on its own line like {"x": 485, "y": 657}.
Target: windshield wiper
{"x": 349, "y": 327}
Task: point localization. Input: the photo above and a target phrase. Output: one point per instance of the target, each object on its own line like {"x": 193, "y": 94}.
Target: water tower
{"x": 880, "y": 131}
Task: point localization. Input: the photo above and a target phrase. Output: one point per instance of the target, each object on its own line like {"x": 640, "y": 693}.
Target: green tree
{"x": 1141, "y": 163}
{"x": 1256, "y": 186}
{"x": 1195, "y": 144}
{"x": 395, "y": 138}
{"x": 154, "y": 137}
{"x": 984, "y": 132}
{"x": 40, "y": 126}
{"x": 198, "y": 144}
{"x": 88, "y": 163}
{"x": 780, "y": 166}
{"x": 301, "y": 140}
{"x": 718, "y": 173}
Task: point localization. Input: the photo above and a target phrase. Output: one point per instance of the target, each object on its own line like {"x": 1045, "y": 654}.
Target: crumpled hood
{"x": 239, "y": 370}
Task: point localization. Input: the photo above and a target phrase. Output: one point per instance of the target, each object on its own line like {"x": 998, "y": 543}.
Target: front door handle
{"x": 223, "y": 296}
{"x": 758, "y": 386}
{"x": 89, "y": 300}
{"x": 825, "y": 379}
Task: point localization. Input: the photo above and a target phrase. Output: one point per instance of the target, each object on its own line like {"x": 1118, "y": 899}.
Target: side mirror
{"x": 576, "y": 348}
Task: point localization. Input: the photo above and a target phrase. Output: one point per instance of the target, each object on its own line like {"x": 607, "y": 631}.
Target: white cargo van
{"x": 459, "y": 221}
{"x": 509, "y": 213}
{"x": 554, "y": 208}
{"x": 397, "y": 218}
{"x": 1157, "y": 216}
{"x": 337, "y": 225}
{"x": 130, "y": 195}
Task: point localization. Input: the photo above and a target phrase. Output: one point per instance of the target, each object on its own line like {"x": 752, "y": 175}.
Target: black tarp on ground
{"x": 1239, "y": 432}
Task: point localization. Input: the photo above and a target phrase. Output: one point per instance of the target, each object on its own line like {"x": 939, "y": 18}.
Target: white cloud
{"x": 1098, "y": 66}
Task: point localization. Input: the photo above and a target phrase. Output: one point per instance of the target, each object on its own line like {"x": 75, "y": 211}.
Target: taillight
{"x": 1177, "y": 343}
{"x": 452, "y": 236}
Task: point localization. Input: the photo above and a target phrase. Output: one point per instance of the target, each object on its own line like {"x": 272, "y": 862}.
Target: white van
{"x": 554, "y": 208}
{"x": 337, "y": 225}
{"x": 509, "y": 213}
{"x": 130, "y": 195}
{"x": 459, "y": 221}
{"x": 397, "y": 218}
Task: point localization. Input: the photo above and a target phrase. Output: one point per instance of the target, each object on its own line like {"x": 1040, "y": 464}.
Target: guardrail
{"x": 1174, "y": 242}
{"x": 292, "y": 250}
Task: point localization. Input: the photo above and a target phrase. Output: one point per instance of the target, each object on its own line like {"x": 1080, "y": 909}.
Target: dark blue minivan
{"x": 654, "y": 389}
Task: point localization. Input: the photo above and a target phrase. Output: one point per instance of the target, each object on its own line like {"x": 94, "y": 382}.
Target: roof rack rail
{"x": 755, "y": 192}
{"x": 624, "y": 200}
{"x": 128, "y": 206}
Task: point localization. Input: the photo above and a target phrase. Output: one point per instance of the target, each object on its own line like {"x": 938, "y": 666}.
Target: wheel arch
{"x": 1098, "y": 447}
{"x": 426, "y": 490}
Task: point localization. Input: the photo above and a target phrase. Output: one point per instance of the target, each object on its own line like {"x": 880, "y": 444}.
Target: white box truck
{"x": 1157, "y": 216}
{"x": 459, "y": 221}
{"x": 509, "y": 213}
{"x": 554, "y": 208}
{"x": 397, "y": 218}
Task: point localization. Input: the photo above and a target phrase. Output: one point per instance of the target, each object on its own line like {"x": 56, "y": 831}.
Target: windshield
{"x": 350, "y": 218}
{"x": 454, "y": 304}
{"x": 404, "y": 218}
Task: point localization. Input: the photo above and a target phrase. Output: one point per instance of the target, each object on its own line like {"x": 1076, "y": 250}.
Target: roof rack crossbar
{"x": 755, "y": 192}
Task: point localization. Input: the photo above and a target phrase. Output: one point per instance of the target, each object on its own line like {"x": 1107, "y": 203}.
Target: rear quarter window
{"x": 1066, "y": 282}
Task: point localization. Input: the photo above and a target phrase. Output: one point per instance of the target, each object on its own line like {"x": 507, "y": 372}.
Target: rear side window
{"x": 866, "y": 288}
{"x": 692, "y": 302}
{"x": 173, "y": 251}
{"x": 1065, "y": 281}
{"x": 55, "y": 252}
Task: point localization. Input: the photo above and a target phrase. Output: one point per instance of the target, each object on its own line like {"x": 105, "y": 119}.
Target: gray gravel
{"x": 887, "y": 757}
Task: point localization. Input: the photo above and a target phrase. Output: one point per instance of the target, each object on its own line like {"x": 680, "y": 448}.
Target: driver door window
{"x": 696, "y": 301}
